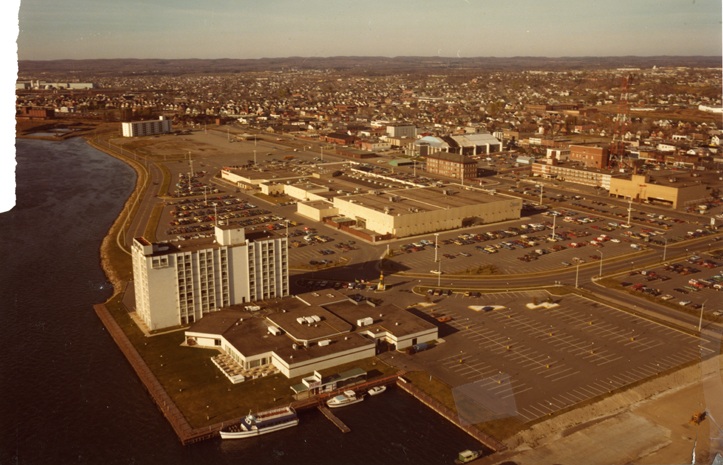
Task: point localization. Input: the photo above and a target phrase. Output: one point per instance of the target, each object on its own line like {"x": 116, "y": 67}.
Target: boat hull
{"x": 344, "y": 403}
{"x": 257, "y": 432}
{"x": 376, "y": 390}
{"x": 261, "y": 423}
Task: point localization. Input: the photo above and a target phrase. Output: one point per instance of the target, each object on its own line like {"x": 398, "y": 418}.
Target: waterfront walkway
{"x": 170, "y": 410}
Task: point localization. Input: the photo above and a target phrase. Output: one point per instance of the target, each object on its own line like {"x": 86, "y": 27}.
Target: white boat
{"x": 467, "y": 456}
{"x": 344, "y": 399}
{"x": 263, "y": 422}
{"x": 376, "y": 390}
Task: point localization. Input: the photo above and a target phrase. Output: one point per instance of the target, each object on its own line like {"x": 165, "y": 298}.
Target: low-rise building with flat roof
{"x": 674, "y": 189}
{"x": 413, "y": 211}
{"x": 309, "y": 332}
{"x": 451, "y": 165}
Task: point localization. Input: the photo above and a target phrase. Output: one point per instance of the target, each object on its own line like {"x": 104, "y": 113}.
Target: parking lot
{"x": 693, "y": 283}
{"x": 512, "y": 360}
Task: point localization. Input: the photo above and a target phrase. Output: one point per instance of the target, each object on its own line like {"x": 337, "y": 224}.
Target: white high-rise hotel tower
{"x": 178, "y": 283}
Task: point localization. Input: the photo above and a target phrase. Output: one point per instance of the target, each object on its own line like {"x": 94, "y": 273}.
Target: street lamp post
{"x": 436, "y": 245}
{"x": 439, "y": 273}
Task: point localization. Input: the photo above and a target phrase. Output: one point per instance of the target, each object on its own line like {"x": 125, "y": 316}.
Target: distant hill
{"x": 355, "y": 65}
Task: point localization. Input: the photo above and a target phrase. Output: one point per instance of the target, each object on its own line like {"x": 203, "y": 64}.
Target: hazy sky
{"x": 54, "y": 29}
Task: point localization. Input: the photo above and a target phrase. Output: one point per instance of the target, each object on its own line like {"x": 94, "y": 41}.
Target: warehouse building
{"x": 413, "y": 211}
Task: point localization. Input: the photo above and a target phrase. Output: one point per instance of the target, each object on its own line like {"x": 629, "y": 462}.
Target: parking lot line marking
{"x": 570, "y": 398}
{"x": 610, "y": 360}
{"x": 526, "y": 415}
{"x": 588, "y": 393}
{"x": 558, "y": 378}
{"x": 534, "y": 409}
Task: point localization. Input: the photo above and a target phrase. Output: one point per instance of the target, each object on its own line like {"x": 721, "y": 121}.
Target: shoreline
{"x": 542, "y": 435}
{"x": 106, "y": 264}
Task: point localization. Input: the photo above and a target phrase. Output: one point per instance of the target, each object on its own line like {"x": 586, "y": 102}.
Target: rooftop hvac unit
{"x": 364, "y": 321}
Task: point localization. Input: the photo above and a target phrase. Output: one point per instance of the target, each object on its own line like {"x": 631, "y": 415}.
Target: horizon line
{"x": 382, "y": 57}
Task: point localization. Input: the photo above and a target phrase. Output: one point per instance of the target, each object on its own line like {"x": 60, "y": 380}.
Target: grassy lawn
{"x": 199, "y": 389}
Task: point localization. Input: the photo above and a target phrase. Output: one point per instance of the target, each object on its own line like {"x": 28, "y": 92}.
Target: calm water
{"x": 68, "y": 396}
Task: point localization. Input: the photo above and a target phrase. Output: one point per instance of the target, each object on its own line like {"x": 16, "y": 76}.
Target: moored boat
{"x": 376, "y": 390}
{"x": 344, "y": 399}
{"x": 467, "y": 456}
{"x": 264, "y": 422}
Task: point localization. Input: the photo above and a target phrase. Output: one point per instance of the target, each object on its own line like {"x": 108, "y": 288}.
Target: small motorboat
{"x": 346, "y": 398}
{"x": 376, "y": 390}
{"x": 467, "y": 456}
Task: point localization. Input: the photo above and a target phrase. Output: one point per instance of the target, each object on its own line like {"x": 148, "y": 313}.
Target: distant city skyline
{"x": 83, "y": 29}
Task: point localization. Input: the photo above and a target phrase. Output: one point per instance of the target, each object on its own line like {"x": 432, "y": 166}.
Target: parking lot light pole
{"x": 630, "y": 210}
{"x": 577, "y": 271}
{"x": 601, "y": 262}
{"x": 542, "y": 190}
{"x": 700, "y": 320}
{"x": 439, "y": 273}
{"x": 665, "y": 247}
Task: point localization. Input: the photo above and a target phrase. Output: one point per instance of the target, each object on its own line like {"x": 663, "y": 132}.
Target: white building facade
{"x": 178, "y": 284}
{"x": 146, "y": 128}
{"x": 401, "y": 130}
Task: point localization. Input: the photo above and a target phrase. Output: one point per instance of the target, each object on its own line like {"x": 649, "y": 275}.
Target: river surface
{"x": 67, "y": 394}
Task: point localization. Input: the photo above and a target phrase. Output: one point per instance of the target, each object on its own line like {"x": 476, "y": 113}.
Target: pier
{"x": 334, "y": 419}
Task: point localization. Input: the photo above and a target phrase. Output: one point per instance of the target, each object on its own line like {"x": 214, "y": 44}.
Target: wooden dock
{"x": 334, "y": 419}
